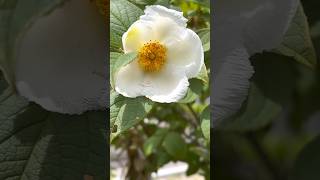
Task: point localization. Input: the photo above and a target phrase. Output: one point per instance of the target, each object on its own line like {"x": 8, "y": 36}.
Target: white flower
{"x": 242, "y": 28}
{"x": 168, "y": 55}
{"x": 62, "y": 60}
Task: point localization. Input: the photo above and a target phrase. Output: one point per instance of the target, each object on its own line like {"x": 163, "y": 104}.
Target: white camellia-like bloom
{"x": 241, "y": 29}
{"x": 61, "y": 60}
{"x": 168, "y": 55}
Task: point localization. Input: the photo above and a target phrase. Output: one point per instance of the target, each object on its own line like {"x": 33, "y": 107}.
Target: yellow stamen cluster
{"x": 102, "y": 6}
{"x": 152, "y": 56}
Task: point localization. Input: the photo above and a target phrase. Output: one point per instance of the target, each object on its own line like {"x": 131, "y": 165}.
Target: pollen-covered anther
{"x": 152, "y": 56}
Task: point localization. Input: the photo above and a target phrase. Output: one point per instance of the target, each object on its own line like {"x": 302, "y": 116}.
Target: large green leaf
{"x": 272, "y": 88}
{"x": 204, "y": 35}
{"x": 308, "y": 162}
{"x": 122, "y": 15}
{"x": 203, "y": 74}
{"x": 15, "y": 17}
{"x": 113, "y": 59}
{"x": 6, "y": 10}
{"x": 205, "y": 122}
{"x": 175, "y": 145}
{"x": 40, "y": 145}
{"x": 3, "y": 83}
{"x": 193, "y": 92}
{"x": 255, "y": 114}
{"x": 126, "y": 112}
{"x": 152, "y": 143}
{"x": 297, "y": 41}
{"x": 143, "y": 3}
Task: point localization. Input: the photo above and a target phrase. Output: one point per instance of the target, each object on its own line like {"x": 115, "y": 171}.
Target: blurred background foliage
{"x": 177, "y": 131}
{"x": 275, "y": 136}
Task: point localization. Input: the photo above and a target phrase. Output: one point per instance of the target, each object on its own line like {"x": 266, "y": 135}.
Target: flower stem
{"x": 194, "y": 114}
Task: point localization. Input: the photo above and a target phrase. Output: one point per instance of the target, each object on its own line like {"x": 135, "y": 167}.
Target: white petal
{"x": 164, "y": 22}
{"x": 185, "y": 50}
{"x": 230, "y": 85}
{"x": 61, "y": 61}
{"x": 169, "y": 85}
{"x": 128, "y": 80}
{"x": 138, "y": 33}
{"x": 157, "y": 22}
{"x": 161, "y": 11}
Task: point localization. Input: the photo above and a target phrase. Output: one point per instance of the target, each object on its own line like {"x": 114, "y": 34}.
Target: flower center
{"x": 152, "y": 56}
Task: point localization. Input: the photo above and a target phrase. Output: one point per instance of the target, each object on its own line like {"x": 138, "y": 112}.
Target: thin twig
{"x": 194, "y": 114}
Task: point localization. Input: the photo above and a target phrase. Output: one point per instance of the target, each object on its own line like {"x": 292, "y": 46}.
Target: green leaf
{"x": 3, "y": 83}
{"x": 15, "y": 18}
{"x": 193, "y": 92}
{"x": 256, "y": 113}
{"x": 205, "y": 122}
{"x": 153, "y": 142}
{"x": 162, "y": 157}
{"x": 204, "y": 35}
{"x": 6, "y": 10}
{"x": 297, "y": 41}
{"x": 203, "y": 74}
{"x": 308, "y": 162}
{"x": 122, "y": 15}
{"x": 126, "y": 112}
{"x": 195, "y": 86}
{"x": 192, "y": 169}
{"x": 113, "y": 59}
{"x": 165, "y": 3}
{"x": 40, "y": 145}
{"x": 143, "y": 2}
{"x": 121, "y": 61}
{"x": 273, "y": 87}
{"x": 175, "y": 145}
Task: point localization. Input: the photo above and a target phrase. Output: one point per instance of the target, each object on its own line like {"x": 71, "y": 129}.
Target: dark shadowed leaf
{"x": 308, "y": 162}
{"x": 40, "y": 145}
{"x": 297, "y": 41}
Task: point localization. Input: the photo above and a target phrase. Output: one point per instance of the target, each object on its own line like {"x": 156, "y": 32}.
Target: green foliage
{"x": 126, "y": 112}
{"x": 34, "y": 143}
{"x": 203, "y": 75}
{"x": 204, "y": 35}
{"x": 270, "y": 92}
{"x": 193, "y": 91}
{"x": 113, "y": 60}
{"x": 308, "y": 161}
{"x": 159, "y": 128}
{"x": 269, "y": 138}
{"x": 297, "y": 41}
{"x": 143, "y": 3}
{"x": 205, "y": 122}
{"x": 175, "y": 145}
{"x": 40, "y": 145}
{"x": 16, "y": 16}
{"x": 154, "y": 141}
{"x": 258, "y": 112}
